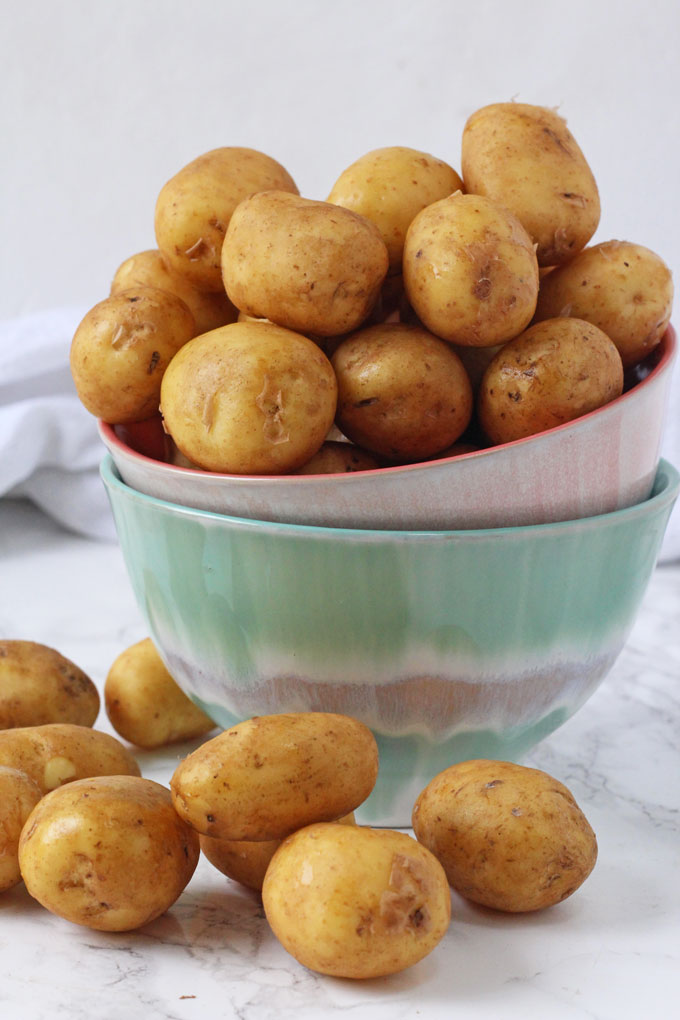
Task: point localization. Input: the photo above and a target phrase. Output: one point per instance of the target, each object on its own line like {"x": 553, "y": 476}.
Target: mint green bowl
{"x": 449, "y": 645}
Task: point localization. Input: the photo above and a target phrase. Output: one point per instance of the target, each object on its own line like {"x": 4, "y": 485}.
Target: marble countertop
{"x": 611, "y": 952}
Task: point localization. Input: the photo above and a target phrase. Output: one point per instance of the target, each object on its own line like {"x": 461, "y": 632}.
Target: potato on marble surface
{"x": 356, "y": 902}
{"x": 508, "y": 837}
{"x": 59, "y": 753}
{"x": 39, "y": 685}
{"x": 268, "y": 776}
{"x": 109, "y": 852}
{"x": 144, "y": 703}
{"x": 18, "y": 796}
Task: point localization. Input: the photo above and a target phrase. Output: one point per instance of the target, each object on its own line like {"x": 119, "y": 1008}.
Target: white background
{"x": 102, "y": 102}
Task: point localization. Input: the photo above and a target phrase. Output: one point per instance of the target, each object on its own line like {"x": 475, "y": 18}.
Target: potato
{"x": 458, "y": 449}
{"x": 470, "y": 271}
{"x": 122, "y": 348}
{"x": 390, "y": 300}
{"x": 144, "y": 703}
{"x": 356, "y": 902}
{"x": 476, "y": 361}
{"x": 624, "y": 289}
{"x": 338, "y": 458}
{"x": 554, "y": 372}
{"x": 310, "y": 266}
{"x": 194, "y": 208}
{"x": 245, "y": 861}
{"x": 109, "y": 853}
{"x": 38, "y": 685}
{"x": 402, "y": 392}
{"x": 322, "y": 342}
{"x": 526, "y": 158}
{"x": 249, "y": 398}
{"x": 389, "y": 187}
{"x": 18, "y": 797}
{"x": 272, "y": 774}
{"x": 149, "y": 269}
{"x": 58, "y": 753}
{"x": 508, "y": 837}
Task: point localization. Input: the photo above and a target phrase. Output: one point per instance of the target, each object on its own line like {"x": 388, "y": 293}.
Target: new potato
{"x": 389, "y": 187}
{"x": 194, "y": 208}
{"x": 121, "y": 350}
{"x": 39, "y": 685}
{"x": 210, "y": 309}
{"x": 623, "y": 288}
{"x": 246, "y": 861}
{"x": 249, "y": 398}
{"x": 109, "y": 853}
{"x": 144, "y": 703}
{"x": 356, "y": 902}
{"x": 270, "y": 775}
{"x": 310, "y": 266}
{"x": 18, "y": 796}
{"x": 337, "y": 458}
{"x": 470, "y": 271}
{"x": 508, "y": 837}
{"x": 58, "y": 753}
{"x": 555, "y": 371}
{"x": 525, "y": 158}
{"x": 402, "y": 392}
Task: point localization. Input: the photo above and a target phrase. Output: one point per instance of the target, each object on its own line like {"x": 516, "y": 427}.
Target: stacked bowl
{"x": 464, "y": 607}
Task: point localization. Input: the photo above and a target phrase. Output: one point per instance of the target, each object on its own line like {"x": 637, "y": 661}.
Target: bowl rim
{"x": 110, "y": 438}
{"x": 666, "y": 482}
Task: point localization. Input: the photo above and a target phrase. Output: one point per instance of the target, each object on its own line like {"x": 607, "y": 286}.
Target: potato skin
{"x": 144, "y": 703}
{"x": 356, "y": 902}
{"x": 338, "y": 458}
{"x": 402, "y": 392}
{"x": 470, "y": 271}
{"x": 121, "y": 350}
{"x": 246, "y": 861}
{"x": 58, "y": 753}
{"x": 390, "y": 186}
{"x": 526, "y": 158}
{"x": 249, "y": 398}
{"x": 475, "y": 361}
{"x": 109, "y": 853}
{"x": 623, "y": 288}
{"x": 39, "y": 685}
{"x": 552, "y": 373}
{"x": 18, "y": 796}
{"x": 194, "y": 208}
{"x": 310, "y": 266}
{"x": 508, "y": 837}
{"x": 149, "y": 269}
{"x": 270, "y": 775}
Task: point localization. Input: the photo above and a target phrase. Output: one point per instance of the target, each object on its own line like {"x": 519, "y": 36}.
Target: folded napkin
{"x": 50, "y": 449}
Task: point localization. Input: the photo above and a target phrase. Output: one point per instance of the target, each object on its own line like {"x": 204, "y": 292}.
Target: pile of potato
{"x": 270, "y": 803}
{"x": 412, "y": 310}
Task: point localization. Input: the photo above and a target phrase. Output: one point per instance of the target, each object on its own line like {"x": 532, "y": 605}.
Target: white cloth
{"x": 50, "y": 449}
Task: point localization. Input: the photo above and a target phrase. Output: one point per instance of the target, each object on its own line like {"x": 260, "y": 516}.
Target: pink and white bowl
{"x": 599, "y": 463}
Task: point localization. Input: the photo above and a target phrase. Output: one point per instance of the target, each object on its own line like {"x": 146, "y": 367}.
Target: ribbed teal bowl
{"x": 449, "y": 645}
